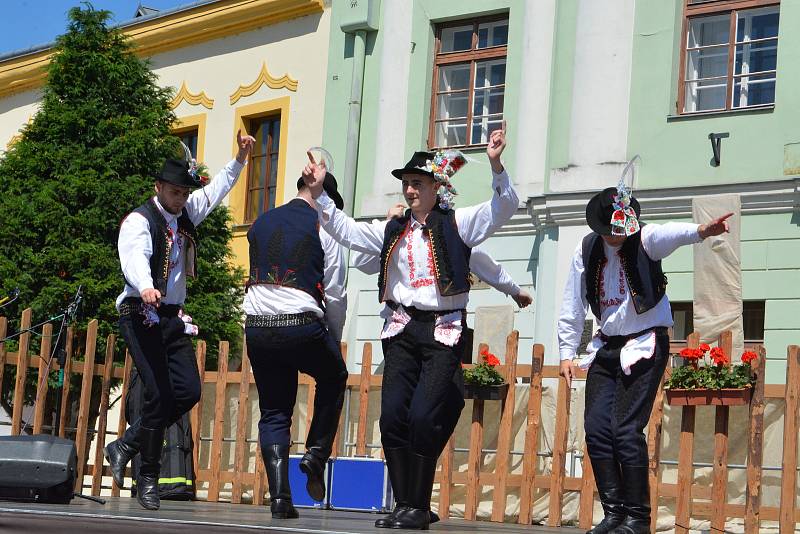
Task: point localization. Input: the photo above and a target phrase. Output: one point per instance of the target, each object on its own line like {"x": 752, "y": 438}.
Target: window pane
{"x": 753, "y": 320}
{"x": 705, "y": 95}
{"x": 705, "y": 31}
{"x": 754, "y": 24}
{"x": 257, "y": 127}
{"x": 452, "y": 105}
{"x": 493, "y": 34}
{"x": 483, "y": 126}
{"x": 457, "y": 39}
{"x": 454, "y": 77}
{"x": 451, "y": 133}
{"x": 190, "y": 140}
{"x": 276, "y": 134}
{"x": 273, "y": 171}
{"x": 707, "y": 62}
{"x": 488, "y": 73}
{"x": 756, "y": 57}
{"x": 488, "y": 101}
{"x": 754, "y": 90}
{"x": 271, "y": 197}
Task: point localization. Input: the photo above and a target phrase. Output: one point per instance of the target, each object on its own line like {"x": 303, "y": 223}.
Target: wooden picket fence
{"x": 692, "y": 500}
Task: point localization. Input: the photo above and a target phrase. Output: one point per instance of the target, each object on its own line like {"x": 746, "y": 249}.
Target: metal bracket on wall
{"x": 716, "y": 146}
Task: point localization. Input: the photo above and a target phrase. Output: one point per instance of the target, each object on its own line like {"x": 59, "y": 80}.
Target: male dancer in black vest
{"x": 157, "y": 249}
{"x": 296, "y": 305}
{"x": 616, "y": 271}
{"x": 424, "y": 279}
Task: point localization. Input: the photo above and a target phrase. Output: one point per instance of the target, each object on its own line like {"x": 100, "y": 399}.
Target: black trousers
{"x": 276, "y": 355}
{"x": 618, "y": 406}
{"x": 423, "y": 390}
{"x": 164, "y": 356}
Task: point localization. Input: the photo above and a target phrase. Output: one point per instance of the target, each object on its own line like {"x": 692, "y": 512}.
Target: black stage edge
{"x": 123, "y": 515}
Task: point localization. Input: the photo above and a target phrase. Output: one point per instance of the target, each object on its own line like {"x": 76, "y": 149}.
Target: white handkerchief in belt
{"x": 637, "y": 348}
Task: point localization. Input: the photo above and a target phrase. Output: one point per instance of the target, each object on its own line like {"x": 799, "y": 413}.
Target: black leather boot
{"x": 397, "y": 465}
{"x": 607, "y": 477}
{"x": 636, "y": 500}
{"x": 327, "y": 409}
{"x": 120, "y": 452}
{"x": 151, "y": 443}
{"x": 276, "y": 461}
{"x": 421, "y": 472}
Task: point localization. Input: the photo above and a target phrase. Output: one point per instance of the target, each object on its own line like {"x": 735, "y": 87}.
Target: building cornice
{"x": 564, "y": 209}
{"x": 172, "y": 30}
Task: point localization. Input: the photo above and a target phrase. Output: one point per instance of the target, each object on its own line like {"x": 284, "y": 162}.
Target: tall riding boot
{"x": 607, "y": 477}
{"x": 397, "y": 465}
{"x": 151, "y": 443}
{"x": 121, "y": 451}
{"x": 276, "y": 461}
{"x": 636, "y": 500}
{"x": 421, "y": 472}
{"x": 320, "y": 441}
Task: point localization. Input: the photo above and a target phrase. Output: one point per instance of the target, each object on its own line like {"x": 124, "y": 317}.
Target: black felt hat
{"x": 601, "y": 207}
{"x": 176, "y": 172}
{"x": 418, "y": 164}
{"x": 330, "y": 186}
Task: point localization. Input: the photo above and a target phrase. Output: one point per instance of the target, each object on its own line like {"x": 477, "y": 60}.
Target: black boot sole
{"x": 315, "y": 486}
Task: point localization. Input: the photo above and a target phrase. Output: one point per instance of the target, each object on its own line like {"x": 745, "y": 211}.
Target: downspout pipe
{"x": 354, "y": 120}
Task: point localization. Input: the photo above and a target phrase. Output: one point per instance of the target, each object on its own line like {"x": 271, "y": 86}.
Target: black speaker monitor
{"x": 39, "y": 468}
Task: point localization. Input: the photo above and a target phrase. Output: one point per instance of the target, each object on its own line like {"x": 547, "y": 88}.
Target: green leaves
{"x": 711, "y": 377}
{"x": 483, "y": 374}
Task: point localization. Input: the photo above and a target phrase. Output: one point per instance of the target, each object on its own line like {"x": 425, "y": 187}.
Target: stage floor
{"x": 122, "y": 515}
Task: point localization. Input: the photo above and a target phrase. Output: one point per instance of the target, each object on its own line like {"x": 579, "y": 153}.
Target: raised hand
{"x": 245, "y": 143}
{"x": 395, "y": 212}
{"x": 718, "y": 226}
{"x": 497, "y": 143}
{"x": 523, "y": 299}
{"x": 314, "y": 175}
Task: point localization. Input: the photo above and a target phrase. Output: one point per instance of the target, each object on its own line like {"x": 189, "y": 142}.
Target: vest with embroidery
{"x": 162, "y": 244}
{"x": 646, "y": 280}
{"x": 285, "y": 249}
{"x": 449, "y": 253}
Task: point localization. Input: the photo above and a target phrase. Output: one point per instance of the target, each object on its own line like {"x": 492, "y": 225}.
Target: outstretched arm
{"x": 661, "y": 240}
{"x": 491, "y": 272}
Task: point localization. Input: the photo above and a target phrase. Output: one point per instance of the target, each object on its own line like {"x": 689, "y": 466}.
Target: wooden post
{"x": 474, "y": 461}
{"x": 195, "y": 416}
{"x": 534, "y": 421}
{"x": 3, "y": 351}
{"x": 41, "y": 386}
{"x": 219, "y": 422}
{"x": 63, "y": 416}
{"x": 586, "y": 506}
{"x": 123, "y": 399}
{"x": 23, "y": 360}
{"x": 755, "y": 452}
{"x": 504, "y": 434}
{"x": 102, "y": 421}
{"x": 719, "y": 494}
{"x": 446, "y": 479}
{"x": 85, "y": 400}
{"x": 363, "y": 400}
{"x": 790, "y": 429}
{"x": 337, "y": 437}
{"x": 241, "y": 451}
{"x": 559, "y": 454}
{"x": 685, "y": 459}
{"x": 654, "y": 430}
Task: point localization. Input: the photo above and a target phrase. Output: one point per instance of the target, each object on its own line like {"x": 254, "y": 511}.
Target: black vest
{"x": 285, "y": 249}
{"x": 162, "y": 247}
{"x": 450, "y": 254}
{"x": 646, "y": 280}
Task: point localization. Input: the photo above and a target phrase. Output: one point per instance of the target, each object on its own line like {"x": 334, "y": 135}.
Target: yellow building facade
{"x": 258, "y": 65}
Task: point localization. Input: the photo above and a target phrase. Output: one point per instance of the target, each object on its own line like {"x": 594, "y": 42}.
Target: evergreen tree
{"x": 88, "y": 157}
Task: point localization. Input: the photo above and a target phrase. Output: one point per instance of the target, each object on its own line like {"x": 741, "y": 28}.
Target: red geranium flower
{"x": 704, "y": 347}
{"x": 691, "y": 354}
{"x": 491, "y": 359}
{"x": 749, "y": 356}
{"x": 719, "y": 357}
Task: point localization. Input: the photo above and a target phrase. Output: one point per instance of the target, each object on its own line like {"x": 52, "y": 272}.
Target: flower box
{"x": 709, "y": 397}
{"x": 474, "y": 391}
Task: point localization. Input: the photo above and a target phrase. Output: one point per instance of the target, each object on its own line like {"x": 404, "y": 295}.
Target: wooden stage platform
{"x": 122, "y": 515}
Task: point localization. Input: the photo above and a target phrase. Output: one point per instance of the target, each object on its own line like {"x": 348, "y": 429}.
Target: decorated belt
{"x": 133, "y": 306}
{"x": 280, "y": 320}
{"x": 659, "y": 331}
{"x": 422, "y": 316}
